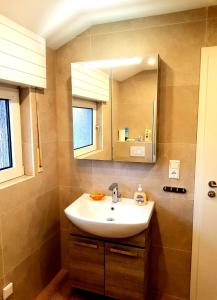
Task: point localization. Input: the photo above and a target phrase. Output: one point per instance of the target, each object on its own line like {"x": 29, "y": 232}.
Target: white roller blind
{"x": 92, "y": 84}
{"x": 22, "y": 55}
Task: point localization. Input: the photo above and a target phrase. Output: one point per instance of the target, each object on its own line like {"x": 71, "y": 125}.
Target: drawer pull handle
{"x": 127, "y": 253}
{"x": 93, "y": 246}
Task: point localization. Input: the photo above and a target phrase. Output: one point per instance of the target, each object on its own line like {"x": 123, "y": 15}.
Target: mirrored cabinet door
{"x": 134, "y": 111}
{"x": 114, "y": 109}
{"x": 91, "y": 111}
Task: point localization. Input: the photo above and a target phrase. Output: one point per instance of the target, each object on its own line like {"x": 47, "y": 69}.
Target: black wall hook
{"x": 171, "y": 189}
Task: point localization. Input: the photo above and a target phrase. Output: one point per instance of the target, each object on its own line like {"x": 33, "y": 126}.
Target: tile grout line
{"x": 206, "y": 28}
{"x": 173, "y": 249}
{"x": 53, "y": 188}
{"x": 30, "y": 253}
{"x": 149, "y": 27}
{"x": 2, "y": 250}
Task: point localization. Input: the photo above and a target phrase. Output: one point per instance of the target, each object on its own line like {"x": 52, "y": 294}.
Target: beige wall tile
{"x": 27, "y": 227}
{"x": 50, "y": 62}
{"x": 66, "y": 196}
{"x": 34, "y": 273}
{"x": 170, "y": 271}
{"x": 64, "y": 249}
{"x": 1, "y": 286}
{"x": 46, "y": 121}
{"x": 78, "y": 49}
{"x": 26, "y": 279}
{"x": 152, "y": 176}
{"x": 178, "y": 114}
{"x": 155, "y": 21}
{"x": 212, "y": 11}
{"x": 172, "y": 223}
{"x": 211, "y": 32}
{"x": 1, "y": 254}
{"x": 64, "y": 113}
{"x": 136, "y": 95}
{"x": 181, "y": 59}
{"x": 49, "y": 258}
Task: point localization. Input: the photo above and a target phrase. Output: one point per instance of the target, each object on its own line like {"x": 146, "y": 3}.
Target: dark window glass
{"x": 82, "y": 127}
{"x": 5, "y": 136}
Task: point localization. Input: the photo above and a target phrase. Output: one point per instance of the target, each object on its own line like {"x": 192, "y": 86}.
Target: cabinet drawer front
{"x": 124, "y": 272}
{"x": 86, "y": 267}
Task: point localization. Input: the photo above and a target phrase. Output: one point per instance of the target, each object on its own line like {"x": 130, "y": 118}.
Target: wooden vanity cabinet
{"x": 118, "y": 269}
{"x": 124, "y": 272}
{"x": 86, "y": 264}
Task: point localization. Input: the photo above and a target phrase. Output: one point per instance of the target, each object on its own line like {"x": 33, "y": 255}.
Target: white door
{"x": 204, "y": 253}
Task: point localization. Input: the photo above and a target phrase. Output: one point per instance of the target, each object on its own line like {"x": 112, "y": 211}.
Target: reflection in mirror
{"x": 134, "y": 110}
{"x": 114, "y": 108}
{"x": 91, "y": 111}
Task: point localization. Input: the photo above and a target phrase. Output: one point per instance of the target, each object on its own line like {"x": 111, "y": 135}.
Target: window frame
{"x": 12, "y": 95}
{"x": 90, "y": 105}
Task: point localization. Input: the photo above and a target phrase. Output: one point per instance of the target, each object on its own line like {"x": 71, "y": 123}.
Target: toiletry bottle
{"x": 121, "y": 135}
{"x": 126, "y": 133}
{"x": 140, "y": 196}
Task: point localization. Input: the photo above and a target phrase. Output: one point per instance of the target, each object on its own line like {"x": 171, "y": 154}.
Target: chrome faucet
{"x": 116, "y": 196}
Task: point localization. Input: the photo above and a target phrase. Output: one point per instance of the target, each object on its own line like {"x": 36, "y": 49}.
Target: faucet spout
{"x": 116, "y": 196}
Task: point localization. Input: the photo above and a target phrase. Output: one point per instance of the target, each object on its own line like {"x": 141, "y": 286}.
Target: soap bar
{"x": 97, "y": 196}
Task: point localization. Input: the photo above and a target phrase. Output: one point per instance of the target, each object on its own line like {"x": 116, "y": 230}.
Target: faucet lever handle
{"x": 113, "y": 186}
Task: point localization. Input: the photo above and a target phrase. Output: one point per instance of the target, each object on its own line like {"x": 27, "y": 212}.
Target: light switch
{"x": 174, "y": 168}
{"x": 137, "y": 151}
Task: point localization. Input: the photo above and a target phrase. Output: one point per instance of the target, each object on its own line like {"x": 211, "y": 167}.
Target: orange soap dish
{"x": 97, "y": 196}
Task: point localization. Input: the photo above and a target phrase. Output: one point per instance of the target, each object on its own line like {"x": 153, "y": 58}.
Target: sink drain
{"x": 110, "y": 219}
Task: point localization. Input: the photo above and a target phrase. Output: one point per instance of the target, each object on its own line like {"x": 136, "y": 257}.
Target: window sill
{"x": 14, "y": 181}
{"x": 89, "y": 154}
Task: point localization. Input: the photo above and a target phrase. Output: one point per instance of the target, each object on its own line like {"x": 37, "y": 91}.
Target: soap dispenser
{"x": 140, "y": 196}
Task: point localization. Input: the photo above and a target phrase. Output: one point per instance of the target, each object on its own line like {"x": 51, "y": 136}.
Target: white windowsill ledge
{"x": 86, "y": 155}
{"x": 14, "y": 181}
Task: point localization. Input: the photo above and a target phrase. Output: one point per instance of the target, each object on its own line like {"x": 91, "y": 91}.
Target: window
{"x": 84, "y": 127}
{"x": 11, "y": 164}
{"x": 5, "y": 136}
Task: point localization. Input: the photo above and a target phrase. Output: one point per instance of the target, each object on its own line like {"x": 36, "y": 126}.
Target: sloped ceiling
{"x": 61, "y": 20}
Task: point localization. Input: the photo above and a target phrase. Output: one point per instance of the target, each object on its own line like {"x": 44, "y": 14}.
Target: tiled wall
{"x": 29, "y": 212}
{"x": 136, "y": 92}
{"x": 178, "y": 39}
{"x": 132, "y": 107}
{"x": 29, "y": 215}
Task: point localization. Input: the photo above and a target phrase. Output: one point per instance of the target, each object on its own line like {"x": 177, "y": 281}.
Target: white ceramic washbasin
{"x": 107, "y": 219}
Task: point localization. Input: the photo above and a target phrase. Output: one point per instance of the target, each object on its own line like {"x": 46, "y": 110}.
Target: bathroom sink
{"x": 107, "y": 219}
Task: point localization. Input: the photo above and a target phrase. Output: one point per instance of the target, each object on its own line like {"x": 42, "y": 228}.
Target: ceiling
{"x": 61, "y": 20}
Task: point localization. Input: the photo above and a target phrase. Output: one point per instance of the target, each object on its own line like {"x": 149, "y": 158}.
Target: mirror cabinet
{"x": 114, "y": 109}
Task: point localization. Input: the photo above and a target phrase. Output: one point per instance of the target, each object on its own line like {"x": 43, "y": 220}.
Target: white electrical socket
{"x": 174, "y": 168}
{"x": 7, "y": 291}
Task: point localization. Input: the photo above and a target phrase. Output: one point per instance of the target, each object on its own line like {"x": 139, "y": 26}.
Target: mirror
{"x": 114, "y": 109}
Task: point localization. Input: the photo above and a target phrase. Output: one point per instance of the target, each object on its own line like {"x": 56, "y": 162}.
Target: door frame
{"x": 199, "y": 176}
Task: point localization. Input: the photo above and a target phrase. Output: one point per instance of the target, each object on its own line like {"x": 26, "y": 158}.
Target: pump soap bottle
{"x": 140, "y": 196}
